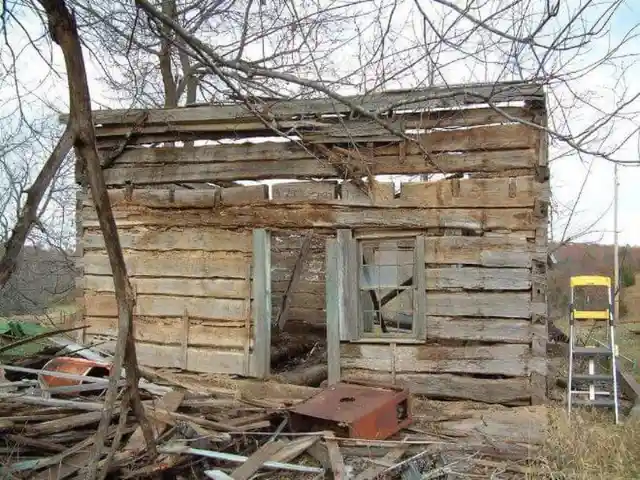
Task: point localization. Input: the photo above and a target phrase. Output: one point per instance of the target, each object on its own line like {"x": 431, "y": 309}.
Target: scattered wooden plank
{"x": 389, "y": 459}
{"x": 67, "y": 423}
{"x": 169, "y": 402}
{"x": 335, "y": 457}
{"x": 257, "y": 460}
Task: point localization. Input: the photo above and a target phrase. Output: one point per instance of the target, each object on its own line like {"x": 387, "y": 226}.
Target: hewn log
{"x": 170, "y": 331}
{"x": 507, "y": 391}
{"x": 310, "y": 376}
{"x": 482, "y": 329}
{"x": 194, "y": 238}
{"x": 104, "y": 305}
{"x": 452, "y": 95}
{"x": 511, "y": 360}
{"x": 325, "y": 216}
{"x": 193, "y": 264}
{"x": 182, "y": 287}
{"x": 200, "y": 359}
{"x": 308, "y": 168}
{"x": 480, "y": 304}
{"x": 487, "y": 251}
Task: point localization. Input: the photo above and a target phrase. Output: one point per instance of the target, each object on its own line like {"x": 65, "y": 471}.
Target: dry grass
{"x": 590, "y": 447}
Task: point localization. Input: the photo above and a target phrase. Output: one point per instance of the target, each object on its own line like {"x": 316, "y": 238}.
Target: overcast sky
{"x": 593, "y": 212}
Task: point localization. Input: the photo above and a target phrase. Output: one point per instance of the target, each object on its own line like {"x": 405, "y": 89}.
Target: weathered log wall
{"x": 190, "y": 249}
{"x": 192, "y": 295}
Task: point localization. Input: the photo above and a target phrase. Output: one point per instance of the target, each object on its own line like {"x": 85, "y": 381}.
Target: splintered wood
{"x": 242, "y": 431}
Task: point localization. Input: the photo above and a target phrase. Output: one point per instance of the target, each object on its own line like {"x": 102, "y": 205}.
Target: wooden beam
{"x": 261, "y": 305}
{"x": 104, "y": 305}
{"x": 501, "y": 330}
{"x": 441, "y": 97}
{"x": 333, "y": 128}
{"x": 335, "y": 309}
{"x": 325, "y": 216}
{"x": 192, "y": 264}
{"x": 200, "y": 359}
{"x": 171, "y": 330}
{"x": 514, "y": 192}
{"x": 182, "y": 287}
{"x": 504, "y": 359}
{"x": 162, "y": 240}
{"x": 508, "y": 391}
{"x": 475, "y": 161}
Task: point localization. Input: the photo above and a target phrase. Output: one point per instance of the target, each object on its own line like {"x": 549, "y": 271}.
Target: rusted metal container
{"x": 74, "y": 366}
{"x": 355, "y": 410}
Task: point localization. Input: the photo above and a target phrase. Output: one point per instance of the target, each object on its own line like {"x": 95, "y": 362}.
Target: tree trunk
{"x": 64, "y": 32}
{"x": 29, "y": 213}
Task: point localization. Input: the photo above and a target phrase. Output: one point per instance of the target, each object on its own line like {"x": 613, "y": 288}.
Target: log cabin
{"x": 404, "y": 231}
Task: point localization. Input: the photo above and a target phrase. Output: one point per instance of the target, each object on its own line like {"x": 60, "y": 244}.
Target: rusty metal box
{"x": 356, "y": 410}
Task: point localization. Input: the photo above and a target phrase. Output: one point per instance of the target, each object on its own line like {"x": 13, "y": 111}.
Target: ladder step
{"x": 598, "y": 402}
{"x": 592, "y": 351}
{"x": 594, "y": 378}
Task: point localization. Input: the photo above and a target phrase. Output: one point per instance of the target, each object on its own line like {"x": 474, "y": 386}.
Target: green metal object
{"x": 12, "y": 330}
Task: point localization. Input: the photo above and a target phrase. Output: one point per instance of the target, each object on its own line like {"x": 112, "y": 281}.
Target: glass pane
{"x": 386, "y": 293}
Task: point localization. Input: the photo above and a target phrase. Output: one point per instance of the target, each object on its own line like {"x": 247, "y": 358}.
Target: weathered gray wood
{"x": 104, "y": 305}
{"x": 293, "y": 281}
{"x": 473, "y": 278}
{"x": 450, "y": 96}
{"x": 309, "y": 168}
{"x": 420, "y": 283}
{"x": 514, "y": 390}
{"x": 189, "y": 238}
{"x": 170, "y": 331}
{"x": 505, "y": 359}
{"x": 325, "y": 190}
{"x": 261, "y": 304}
{"x": 245, "y": 195}
{"x": 487, "y": 251}
{"x": 327, "y": 216}
{"x": 188, "y": 287}
{"x": 347, "y": 264}
{"x": 194, "y": 264}
{"x": 335, "y": 309}
{"x": 476, "y": 304}
{"x": 200, "y": 359}
{"x": 331, "y": 128}
{"x": 482, "y": 329}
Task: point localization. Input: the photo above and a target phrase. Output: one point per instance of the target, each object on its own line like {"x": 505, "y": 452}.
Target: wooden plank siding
{"x": 188, "y": 281}
{"x": 191, "y": 252}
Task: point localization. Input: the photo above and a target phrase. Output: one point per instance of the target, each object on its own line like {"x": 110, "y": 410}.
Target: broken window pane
{"x": 386, "y": 269}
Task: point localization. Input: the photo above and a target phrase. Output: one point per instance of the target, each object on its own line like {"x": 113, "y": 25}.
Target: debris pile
{"x": 52, "y": 400}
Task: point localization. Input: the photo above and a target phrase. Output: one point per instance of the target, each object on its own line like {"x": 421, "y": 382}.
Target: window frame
{"x": 350, "y": 315}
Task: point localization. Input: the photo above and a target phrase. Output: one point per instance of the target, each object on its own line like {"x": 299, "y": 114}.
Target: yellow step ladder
{"x": 592, "y": 396}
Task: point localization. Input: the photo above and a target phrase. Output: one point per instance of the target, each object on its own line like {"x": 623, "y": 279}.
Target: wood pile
{"x": 210, "y": 429}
